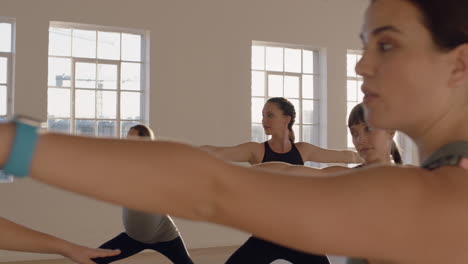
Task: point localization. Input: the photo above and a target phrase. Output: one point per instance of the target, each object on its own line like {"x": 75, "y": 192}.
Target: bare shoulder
{"x": 257, "y": 151}
{"x": 451, "y": 176}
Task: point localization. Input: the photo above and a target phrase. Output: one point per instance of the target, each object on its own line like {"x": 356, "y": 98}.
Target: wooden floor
{"x": 216, "y": 255}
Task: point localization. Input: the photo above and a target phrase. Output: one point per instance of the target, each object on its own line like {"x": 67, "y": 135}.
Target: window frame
{"x": 144, "y": 77}
{"x": 319, "y": 98}
{"x": 10, "y": 56}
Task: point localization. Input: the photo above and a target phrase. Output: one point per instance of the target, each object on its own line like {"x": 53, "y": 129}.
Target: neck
{"x": 384, "y": 160}
{"x": 280, "y": 141}
{"x": 450, "y": 127}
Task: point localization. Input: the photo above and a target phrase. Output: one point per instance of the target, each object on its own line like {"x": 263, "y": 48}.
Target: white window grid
{"x": 355, "y": 96}
{"x": 7, "y": 57}
{"x": 121, "y": 124}
{"x": 306, "y": 98}
{"x": 302, "y": 104}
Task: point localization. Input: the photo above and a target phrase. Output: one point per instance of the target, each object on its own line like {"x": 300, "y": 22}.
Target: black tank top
{"x": 291, "y": 157}
{"x": 449, "y": 155}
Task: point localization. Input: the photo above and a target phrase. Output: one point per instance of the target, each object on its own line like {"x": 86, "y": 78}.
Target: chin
{"x": 380, "y": 118}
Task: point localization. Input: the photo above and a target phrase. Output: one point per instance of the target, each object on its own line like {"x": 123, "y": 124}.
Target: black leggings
{"x": 258, "y": 251}
{"x": 174, "y": 250}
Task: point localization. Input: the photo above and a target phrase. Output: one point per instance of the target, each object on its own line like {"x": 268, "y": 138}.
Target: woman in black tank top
{"x": 376, "y": 146}
{"x": 278, "y": 119}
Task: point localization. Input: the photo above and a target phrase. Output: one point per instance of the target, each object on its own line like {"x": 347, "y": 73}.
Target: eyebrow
{"x": 380, "y": 30}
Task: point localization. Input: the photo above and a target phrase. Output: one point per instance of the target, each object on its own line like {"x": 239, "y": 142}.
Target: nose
{"x": 364, "y": 66}
{"x": 362, "y": 139}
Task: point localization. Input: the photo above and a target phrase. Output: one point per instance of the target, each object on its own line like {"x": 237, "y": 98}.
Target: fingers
{"x": 100, "y": 253}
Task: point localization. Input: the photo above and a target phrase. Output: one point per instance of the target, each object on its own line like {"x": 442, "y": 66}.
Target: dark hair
{"x": 446, "y": 20}
{"x": 143, "y": 131}
{"x": 288, "y": 109}
{"x": 356, "y": 117}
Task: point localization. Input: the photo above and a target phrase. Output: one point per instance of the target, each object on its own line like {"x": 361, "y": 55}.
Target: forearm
{"x": 282, "y": 167}
{"x": 19, "y": 238}
{"x": 352, "y": 157}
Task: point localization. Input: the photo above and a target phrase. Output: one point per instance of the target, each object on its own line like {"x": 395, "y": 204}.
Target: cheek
{"x": 379, "y": 140}
{"x": 400, "y": 84}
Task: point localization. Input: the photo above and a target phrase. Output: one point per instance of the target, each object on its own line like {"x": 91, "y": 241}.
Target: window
{"x": 7, "y": 47}
{"x": 96, "y": 82}
{"x": 353, "y": 86}
{"x": 7, "y": 28}
{"x": 290, "y": 72}
{"x": 355, "y": 96}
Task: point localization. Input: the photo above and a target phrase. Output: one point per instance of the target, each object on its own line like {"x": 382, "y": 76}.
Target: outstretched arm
{"x": 19, "y": 238}
{"x": 387, "y": 213}
{"x": 298, "y": 170}
{"x": 314, "y": 153}
{"x": 239, "y": 153}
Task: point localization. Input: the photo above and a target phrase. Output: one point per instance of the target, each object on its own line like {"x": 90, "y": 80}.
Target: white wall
{"x": 200, "y": 87}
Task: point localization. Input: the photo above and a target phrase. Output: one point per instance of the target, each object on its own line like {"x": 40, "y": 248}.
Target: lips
{"x": 365, "y": 150}
{"x": 368, "y": 94}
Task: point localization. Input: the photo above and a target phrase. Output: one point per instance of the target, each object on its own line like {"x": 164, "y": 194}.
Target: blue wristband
{"x": 24, "y": 144}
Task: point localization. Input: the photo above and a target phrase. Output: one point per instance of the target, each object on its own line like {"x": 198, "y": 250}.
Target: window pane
{"x": 130, "y": 107}
{"x": 295, "y": 102}
{"x": 310, "y": 112}
{"x": 352, "y": 91}
{"x": 85, "y": 127}
{"x": 107, "y": 76}
{"x": 106, "y": 104}
{"x": 311, "y": 134}
{"x": 107, "y": 128}
{"x": 126, "y": 125}
{"x": 307, "y": 61}
{"x": 131, "y": 47}
{"x": 292, "y": 60}
{"x": 308, "y": 87}
{"x": 257, "y": 108}
{"x": 3, "y": 100}
{"x": 59, "y": 125}
{"x": 59, "y": 72}
{"x": 274, "y": 59}
{"x": 275, "y": 85}
{"x": 351, "y": 64}
{"x": 258, "y": 134}
{"x": 60, "y": 41}
{"x": 3, "y": 70}
{"x": 108, "y": 45}
{"x": 258, "y": 58}
{"x": 258, "y": 83}
{"x": 84, "y": 43}
{"x": 130, "y": 75}
{"x": 85, "y": 103}
{"x": 85, "y": 75}
{"x": 58, "y": 102}
{"x": 5, "y": 37}
{"x": 291, "y": 86}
